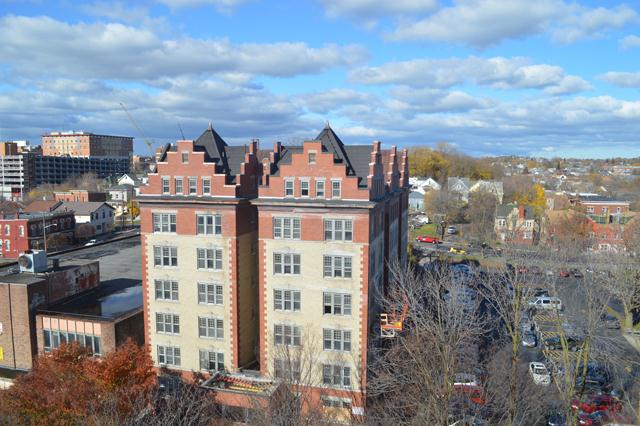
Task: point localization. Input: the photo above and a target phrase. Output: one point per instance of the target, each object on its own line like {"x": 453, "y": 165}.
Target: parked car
{"x": 540, "y": 292}
{"x": 529, "y": 339}
{"x": 428, "y": 239}
{"x": 598, "y": 403}
{"x": 90, "y": 243}
{"x": 556, "y": 419}
{"x": 596, "y": 418}
{"x": 555, "y": 343}
{"x": 539, "y": 373}
{"x": 457, "y": 250}
{"x": 521, "y": 269}
{"x": 575, "y": 273}
{"x": 564, "y": 273}
{"x": 452, "y": 230}
{"x": 611, "y": 322}
{"x": 546, "y": 303}
{"x": 465, "y": 379}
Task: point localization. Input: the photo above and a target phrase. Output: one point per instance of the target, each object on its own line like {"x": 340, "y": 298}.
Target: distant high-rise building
{"x": 86, "y": 144}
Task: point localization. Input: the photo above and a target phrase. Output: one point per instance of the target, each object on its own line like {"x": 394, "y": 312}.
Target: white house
{"x": 98, "y": 214}
{"x": 423, "y": 185}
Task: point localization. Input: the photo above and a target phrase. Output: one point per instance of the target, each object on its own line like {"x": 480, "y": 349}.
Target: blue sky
{"x": 491, "y": 77}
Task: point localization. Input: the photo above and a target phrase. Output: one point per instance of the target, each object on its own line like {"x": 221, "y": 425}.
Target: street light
{"x": 44, "y": 230}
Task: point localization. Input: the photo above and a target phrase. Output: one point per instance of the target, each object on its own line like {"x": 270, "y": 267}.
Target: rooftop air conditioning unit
{"x": 33, "y": 261}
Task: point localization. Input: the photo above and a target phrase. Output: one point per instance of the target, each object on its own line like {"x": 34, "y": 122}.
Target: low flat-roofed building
{"x": 100, "y": 319}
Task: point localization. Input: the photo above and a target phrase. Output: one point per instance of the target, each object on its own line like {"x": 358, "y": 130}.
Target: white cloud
{"x": 334, "y": 99}
{"x": 497, "y": 72}
{"x": 221, "y": 5}
{"x": 117, "y": 51}
{"x": 622, "y": 79}
{"x": 482, "y": 23}
{"x": 410, "y": 99}
{"x": 592, "y": 22}
{"x": 370, "y": 10}
{"x": 630, "y": 42}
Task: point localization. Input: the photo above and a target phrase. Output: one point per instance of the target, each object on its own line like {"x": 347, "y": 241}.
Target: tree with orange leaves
{"x": 70, "y": 385}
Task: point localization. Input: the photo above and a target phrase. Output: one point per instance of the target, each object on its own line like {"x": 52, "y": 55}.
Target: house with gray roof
{"x": 516, "y": 224}
{"x": 98, "y": 214}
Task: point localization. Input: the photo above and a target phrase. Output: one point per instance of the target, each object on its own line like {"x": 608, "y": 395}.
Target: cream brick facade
{"x": 187, "y": 307}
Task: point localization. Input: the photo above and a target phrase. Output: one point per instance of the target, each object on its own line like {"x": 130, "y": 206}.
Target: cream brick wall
{"x": 188, "y": 276}
{"x": 312, "y": 284}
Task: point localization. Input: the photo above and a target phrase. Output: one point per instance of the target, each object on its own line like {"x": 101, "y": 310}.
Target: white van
{"x": 546, "y": 302}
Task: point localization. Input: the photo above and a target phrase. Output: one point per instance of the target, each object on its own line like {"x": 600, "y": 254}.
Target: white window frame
{"x": 165, "y": 253}
{"x": 320, "y": 189}
{"x": 185, "y": 157}
{"x": 206, "y": 186}
{"x": 164, "y": 223}
{"x": 287, "y": 335}
{"x": 167, "y": 323}
{"x": 287, "y": 228}
{"x": 166, "y": 184}
{"x": 210, "y": 293}
{"x": 334, "y": 339}
{"x": 334, "y": 189}
{"x": 169, "y": 355}
{"x": 209, "y": 357}
{"x": 336, "y": 375}
{"x": 335, "y": 266}
{"x": 287, "y": 263}
{"x": 337, "y": 303}
{"x": 193, "y": 185}
{"x": 213, "y": 327}
{"x": 338, "y": 230}
{"x": 167, "y": 290}
{"x": 286, "y": 369}
{"x": 287, "y": 189}
{"x": 287, "y": 300}
{"x": 208, "y": 224}
{"x": 305, "y": 183}
{"x": 180, "y": 188}
{"x": 209, "y": 258}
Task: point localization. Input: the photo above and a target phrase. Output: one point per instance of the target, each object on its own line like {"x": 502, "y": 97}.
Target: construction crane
{"x": 145, "y": 139}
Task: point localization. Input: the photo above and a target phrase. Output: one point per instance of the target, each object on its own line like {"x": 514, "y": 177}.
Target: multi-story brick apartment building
{"x": 86, "y": 144}
{"x": 246, "y": 252}
{"x": 27, "y": 231}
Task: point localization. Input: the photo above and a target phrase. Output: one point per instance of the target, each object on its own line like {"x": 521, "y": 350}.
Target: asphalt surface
{"x": 119, "y": 260}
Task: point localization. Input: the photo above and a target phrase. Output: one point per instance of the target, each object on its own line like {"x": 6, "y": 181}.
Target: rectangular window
{"x": 286, "y": 300}
{"x": 590, "y": 209}
{"x": 312, "y": 157}
{"x": 319, "y": 189}
{"x": 164, "y": 222}
{"x": 286, "y": 263}
{"x": 185, "y": 157}
{"x": 338, "y": 229}
{"x": 336, "y": 375}
{"x": 336, "y": 340}
{"x": 336, "y": 303}
{"x": 209, "y": 258}
{"x": 166, "y": 290}
{"x": 333, "y": 402}
{"x": 193, "y": 185}
{"x": 22, "y": 227}
{"x": 206, "y": 186}
{"x": 288, "y": 188}
{"x": 211, "y": 360}
{"x": 167, "y": 323}
{"x": 337, "y": 266}
{"x": 287, "y": 369}
{"x": 336, "y": 190}
{"x": 210, "y": 293}
{"x": 210, "y": 328}
{"x": 169, "y": 355}
{"x": 209, "y": 224}
{"x": 288, "y": 335}
{"x": 304, "y": 188}
{"x": 54, "y": 338}
{"x": 179, "y": 186}
{"x": 286, "y": 227}
{"x": 166, "y": 188}
{"x": 165, "y": 256}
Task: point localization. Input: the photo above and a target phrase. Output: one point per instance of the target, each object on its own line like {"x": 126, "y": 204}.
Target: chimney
{"x": 521, "y": 210}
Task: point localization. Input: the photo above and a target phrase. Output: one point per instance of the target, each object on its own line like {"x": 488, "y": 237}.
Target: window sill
{"x": 167, "y": 300}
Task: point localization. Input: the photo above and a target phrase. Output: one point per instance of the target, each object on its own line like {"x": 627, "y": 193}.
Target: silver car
{"x": 529, "y": 340}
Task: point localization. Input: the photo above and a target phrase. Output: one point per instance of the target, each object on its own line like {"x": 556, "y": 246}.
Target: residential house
{"x": 424, "y": 185}
{"x": 27, "y": 231}
{"x": 98, "y": 214}
{"x": 465, "y": 186}
{"x": 516, "y": 224}
{"x": 416, "y": 201}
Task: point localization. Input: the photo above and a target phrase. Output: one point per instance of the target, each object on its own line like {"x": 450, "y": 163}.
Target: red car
{"x": 598, "y": 403}
{"x": 564, "y": 273}
{"x": 428, "y": 239}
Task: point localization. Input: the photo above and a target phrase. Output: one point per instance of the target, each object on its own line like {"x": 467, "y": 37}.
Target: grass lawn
{"x": 428, "y": 229}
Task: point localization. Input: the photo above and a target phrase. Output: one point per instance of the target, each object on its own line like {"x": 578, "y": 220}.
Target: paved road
{"x": 118, "y": 259}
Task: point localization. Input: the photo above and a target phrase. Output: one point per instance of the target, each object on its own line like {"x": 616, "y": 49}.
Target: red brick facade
{"x": 26, "y": 231}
